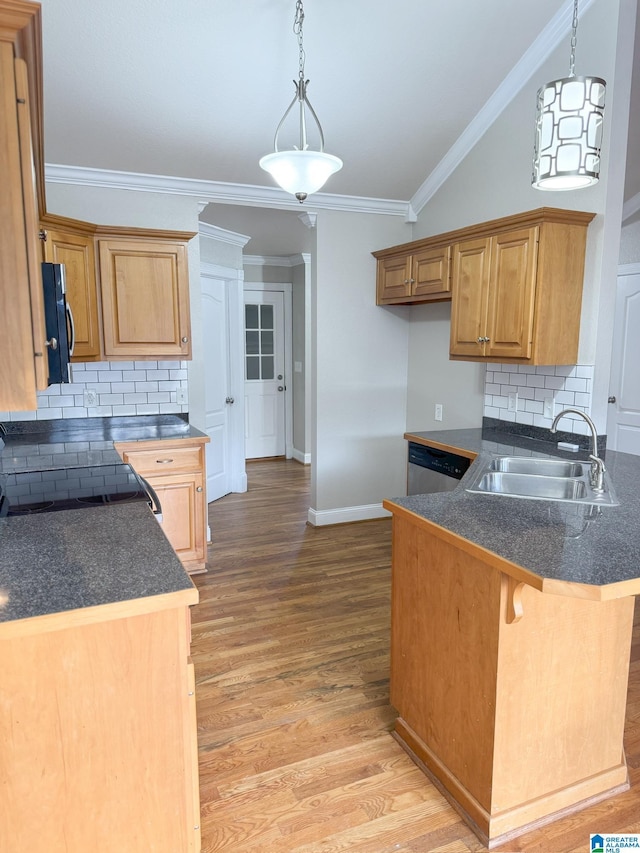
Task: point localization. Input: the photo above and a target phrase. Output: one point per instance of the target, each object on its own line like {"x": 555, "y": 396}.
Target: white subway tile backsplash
{"x": 122, "y": 388}
{"x": 566, "y": 385}
{"x": 534, "y": 380}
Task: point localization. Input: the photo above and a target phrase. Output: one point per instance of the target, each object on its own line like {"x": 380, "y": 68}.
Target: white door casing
{"x": 223, "y": 369}
{"x": 623, "y": 422}
{"x": 268, "y": 416}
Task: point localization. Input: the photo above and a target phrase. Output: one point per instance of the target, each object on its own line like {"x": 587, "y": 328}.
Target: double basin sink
{"x": 540, "y": 479}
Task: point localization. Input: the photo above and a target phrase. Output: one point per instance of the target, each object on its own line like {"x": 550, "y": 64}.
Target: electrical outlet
{"x": 438, "y": 412}
{"x": 89, "y": 397}
{"x": 548, "y": 407}
{"x": 182, "y": 396}
{"x": 512, "y": 402}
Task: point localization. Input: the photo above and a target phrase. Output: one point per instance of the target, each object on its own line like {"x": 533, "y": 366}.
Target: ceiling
{"x": 195, "y": 88}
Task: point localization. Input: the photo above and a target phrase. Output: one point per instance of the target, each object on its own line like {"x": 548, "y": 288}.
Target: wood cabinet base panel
{"x": 494, "y": 830}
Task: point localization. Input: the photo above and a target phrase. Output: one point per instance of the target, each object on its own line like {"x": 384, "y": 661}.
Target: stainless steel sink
{"x": 544, "y": 467}
{"x": 538, "y": 479}
{"x": 532, "y": 486}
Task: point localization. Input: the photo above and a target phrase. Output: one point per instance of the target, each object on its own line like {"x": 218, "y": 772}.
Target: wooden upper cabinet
{"x": 515, "y": 284}
{"x": 494, "y": 284}
{"x": 406, "y": 277}
{"x": 23, "y": 360}
{"x": 523, "y": 303}
{"x": 76, "y": 252}
{"x": 145, "y": 298}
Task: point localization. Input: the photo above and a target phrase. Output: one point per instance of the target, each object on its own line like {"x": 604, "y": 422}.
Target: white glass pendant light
{"x": 569, "y": 121}
{"x": 300, "y": 170}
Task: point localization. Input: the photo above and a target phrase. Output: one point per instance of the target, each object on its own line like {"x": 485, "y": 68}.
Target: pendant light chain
{"x": 297, "y": 29}
{"x": 574, "y": 38}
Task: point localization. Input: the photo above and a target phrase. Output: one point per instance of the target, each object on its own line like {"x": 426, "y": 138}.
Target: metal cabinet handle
{"x": 480, "y": 340}
{"x": 53, "y": 343}
{"x": 185, "y": 340}
{"x": 198, "y": 488}
{"x": 163, "y": 461}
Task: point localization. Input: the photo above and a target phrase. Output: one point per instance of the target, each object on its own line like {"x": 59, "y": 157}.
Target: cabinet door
{"x": 22, "y": 336}
{"x": 183, "y": 513}
{"x": 510, "y": 306}
{"x": 469, "y": 293}
{"x": 394, "y": 279}
{"x": 431, "y": 272}
{"x": 145, "y": 299}
{"x": 77, "y": 254}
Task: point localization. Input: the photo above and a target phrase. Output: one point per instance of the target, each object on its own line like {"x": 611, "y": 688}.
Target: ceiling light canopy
{"x": 300, "y": 170}
{"x": 569, "y": 121}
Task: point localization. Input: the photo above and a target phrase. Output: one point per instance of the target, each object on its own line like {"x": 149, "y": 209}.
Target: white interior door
{"x": 623, "y": 422}
{"x": 265, "y": 381}
{"x": 216, "y": 365}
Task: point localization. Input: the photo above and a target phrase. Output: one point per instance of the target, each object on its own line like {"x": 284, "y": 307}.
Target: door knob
{"x": 280, "y": 388}
{"x": 279, "y": 376}
{"x": 611, "y": 400}
{"x": 229, "y": 400}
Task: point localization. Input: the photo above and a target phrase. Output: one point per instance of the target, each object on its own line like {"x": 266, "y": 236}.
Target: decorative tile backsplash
{"x": 541, "y": 391}
{"x": 120, "y": 388}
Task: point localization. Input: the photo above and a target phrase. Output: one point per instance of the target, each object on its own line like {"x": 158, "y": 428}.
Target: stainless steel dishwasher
{"x": 433, "y": 470}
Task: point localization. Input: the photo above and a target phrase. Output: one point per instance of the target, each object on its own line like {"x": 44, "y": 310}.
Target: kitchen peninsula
{"x": 97, "y": 700}
{"x": 511, "y": 631}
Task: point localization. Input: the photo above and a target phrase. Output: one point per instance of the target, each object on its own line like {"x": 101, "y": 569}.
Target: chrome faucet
{"x": 596, "y": 475}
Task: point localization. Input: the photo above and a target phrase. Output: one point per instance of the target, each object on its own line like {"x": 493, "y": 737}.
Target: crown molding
{"x": 513, "y": 83}
{"x": 222, "y": 193}
{"x": 205, "y": 229}
{"x": 630, "y": 207}
{"x": 271, "y": 260}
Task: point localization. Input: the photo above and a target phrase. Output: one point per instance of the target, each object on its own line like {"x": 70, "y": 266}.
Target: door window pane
{"x": 251, "y": 316}
{"x": 266, "y": 343}
{"x": 266, "y": 316}
{"x": 253, "y": 343}
{"x": 267, "y": 367}
{"x": 253, "y": 367}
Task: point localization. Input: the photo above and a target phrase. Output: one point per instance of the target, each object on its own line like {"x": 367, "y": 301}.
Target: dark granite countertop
{"x": 82, "y": 442}
{"x": 74, "y": 559}
{"x": 63, "y": 561}
{"x": 557, "y": 542}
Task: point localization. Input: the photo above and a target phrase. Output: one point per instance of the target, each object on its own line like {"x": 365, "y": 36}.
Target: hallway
{"x": 290, "y": 645}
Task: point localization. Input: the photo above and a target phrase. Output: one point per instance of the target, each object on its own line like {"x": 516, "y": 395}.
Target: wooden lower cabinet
{"x": 511, "y": 700}
{"x": 176, "y": 471}
{"x": 97, "y": 724}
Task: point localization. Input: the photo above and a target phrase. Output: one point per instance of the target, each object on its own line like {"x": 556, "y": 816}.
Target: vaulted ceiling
{"x": 195, "y": 88}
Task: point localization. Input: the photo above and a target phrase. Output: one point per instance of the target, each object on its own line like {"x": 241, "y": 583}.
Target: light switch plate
{"x": 548, "y": 407}
{"x": 182, "y": 395}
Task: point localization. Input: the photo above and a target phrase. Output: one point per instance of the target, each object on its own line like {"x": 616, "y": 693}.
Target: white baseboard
{"x": 305, "y": 458}
{"x": 346, "y": 514}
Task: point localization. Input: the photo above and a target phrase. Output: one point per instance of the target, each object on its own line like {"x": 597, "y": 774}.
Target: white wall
{"x": 630, "y": 243}
{"x": 359, "y": 370}
{"x": 457, "y": 385}
{"x": 494, "y": 181}
{"x": 107, "y": 206}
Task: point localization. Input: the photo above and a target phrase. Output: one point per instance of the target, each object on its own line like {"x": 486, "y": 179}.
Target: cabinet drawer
{"x": 165, "y": 460}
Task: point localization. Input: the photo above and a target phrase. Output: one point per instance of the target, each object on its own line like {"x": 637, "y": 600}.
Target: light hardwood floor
{"x": 291, "y": 649}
